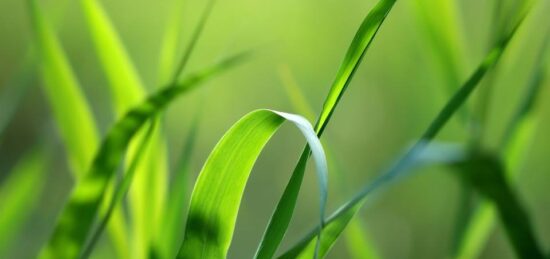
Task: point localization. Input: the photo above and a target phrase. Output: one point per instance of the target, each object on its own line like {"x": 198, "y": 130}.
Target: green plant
{"x": 156, "y": 209}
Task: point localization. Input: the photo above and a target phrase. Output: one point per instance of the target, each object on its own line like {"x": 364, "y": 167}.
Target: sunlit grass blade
{"x": 119, "y": 192}
{"x": 517, "y": 138}
{"x": 77, "y": 217}
{"x": 171, "y": 233}
{"x": 70, "y": 108}
{"x": 219, "y": 189}
{"x": 282, "y": 215}
{"x": 171, "y": 41}
{"x": 338, "y": 221}
{"x": 19, "y": 193}
{"x": 356, "y": 238}
{"x": 487, "y": 175}
{"x": 147, "y": 195}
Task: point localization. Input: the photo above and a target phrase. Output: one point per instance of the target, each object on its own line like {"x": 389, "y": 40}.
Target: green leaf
{"x": 487, "y": 175}
{"x": 70, "y": 108}
{"x": 120, "y": 190}
{"x": 219, "y": 189}
{"x": 518, "y": 136}
{"x": 147, "y": 196}
{"x": 338, "y": 221}
{"x": 78, "y": 215}
{"x": 282, "y": 215}
{"x": 19, "y": 194}
{"x": 171, "y": 233}
{"x": 356, "y": 237}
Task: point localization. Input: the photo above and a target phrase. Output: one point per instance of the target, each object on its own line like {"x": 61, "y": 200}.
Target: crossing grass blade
{"x": 357, "y": 242}
{"x": 282, "y": 215}
{"x": 119, "y": 192}
{"x": 339, "y": 220}
{"x": 19, "y": 194}
{"x": 219, "y": 189}
{"x": 517, "y": 138}
{"x": 147, "y": 196}
{"x": 171, "y": 40}
{"x": 77, "y": 217}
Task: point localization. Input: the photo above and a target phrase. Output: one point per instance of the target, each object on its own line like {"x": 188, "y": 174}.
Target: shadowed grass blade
{"x": 487, "y": 175}
{"x": 219, "y": 189}
{"x": 147, "y": 196}
{"x": 19, "y": 194}
{"x": 517, "y": 138}
{"x": 282, "y": 215}
{"x": 338, "y": 221}
{"x": 120, "y": 191}
{"x": 78, "y": 215}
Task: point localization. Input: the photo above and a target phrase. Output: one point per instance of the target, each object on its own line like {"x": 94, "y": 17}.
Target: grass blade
{"x": 487, "y": 175}
{"x": 77, "y": 217}
{"x": 19, "y": 194}
{"x": 357, "y": 242}
{"x": 147, "y": 195}
{"x": 218, "y": 191}
{"x": 120, "y": 191}
{"x": 282, "y": 215}
{"x": 64, "y": 96}
{"x": 517, "y": 138}
{"x": 338, "y": 221}
{"x": 172, "y": 230}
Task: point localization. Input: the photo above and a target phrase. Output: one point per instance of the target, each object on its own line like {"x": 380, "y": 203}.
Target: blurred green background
{"x": 398, "y": 89}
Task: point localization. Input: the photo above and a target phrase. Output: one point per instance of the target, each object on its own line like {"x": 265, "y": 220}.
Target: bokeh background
{"x": 397, "y": 90}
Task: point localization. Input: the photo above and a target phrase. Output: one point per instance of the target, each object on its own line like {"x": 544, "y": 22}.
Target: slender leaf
{"x": 70, "y": 108}
{"x": 171, "y": 42}
{"x": 19, "y": 194}
{"x": 487, "y": 175}
{"x": 172, "y": 230}
{"x": 338, "y": 221}
{"x": 285, "y": 208}
{"x": 219, "y": 189}
{"x": 120, "y": 191}
{"x": 518, "y": 136}
{"x": 77, "y": 217}
{"x": 147, "y": 195}
{"x": 356, "y": 237}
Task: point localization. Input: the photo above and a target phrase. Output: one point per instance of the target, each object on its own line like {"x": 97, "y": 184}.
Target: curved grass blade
{"x": 282, "y": 215}
{"x": 357, "y": 242}
{"x": 517, "y": 138}
{"x": 19, "y": 194}
{"x": 77, "y": 217}
{"x": 218, "y": 191}
{"x": 338, "y": 221}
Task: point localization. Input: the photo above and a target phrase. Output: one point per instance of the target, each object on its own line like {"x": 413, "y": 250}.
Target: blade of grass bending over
{"x": 219, "y": 189}
{"x": 171, "y": 233}
{"x": 120, "y": 191}
{"x": 339, "y": 220}
{"x": 19, "y": 194}
{"x": 78, "y": 215}
{"x": 517, "y": 138}
{"x": 71, "y": 110}
{"x": 282, "y": 215}
{"x": 147, "y": 196}
{"x": 356, "y": 238}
